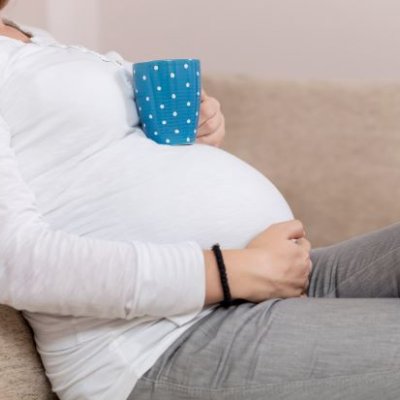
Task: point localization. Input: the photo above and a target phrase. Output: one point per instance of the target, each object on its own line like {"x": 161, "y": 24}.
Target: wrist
{"x": 214, "y": 293}
{"x": 236, "y": 264}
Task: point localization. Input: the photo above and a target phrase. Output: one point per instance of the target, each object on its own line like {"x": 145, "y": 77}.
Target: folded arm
{"x": 52, "y": 271}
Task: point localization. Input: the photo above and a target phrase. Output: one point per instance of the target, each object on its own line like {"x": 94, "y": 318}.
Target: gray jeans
{"x": 342, "y": 342}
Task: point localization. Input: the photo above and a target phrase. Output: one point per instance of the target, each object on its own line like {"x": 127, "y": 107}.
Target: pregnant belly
{"x": 139, "y": 190}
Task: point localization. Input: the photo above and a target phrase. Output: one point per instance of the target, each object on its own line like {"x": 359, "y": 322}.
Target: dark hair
{"x": 3, "y": 3}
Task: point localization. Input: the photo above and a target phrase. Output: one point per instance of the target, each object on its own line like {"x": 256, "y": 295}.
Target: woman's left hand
{"x": 211, "y": 129}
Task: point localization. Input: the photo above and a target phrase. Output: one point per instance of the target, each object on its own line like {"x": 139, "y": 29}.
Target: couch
{"x": 333, "y": 150}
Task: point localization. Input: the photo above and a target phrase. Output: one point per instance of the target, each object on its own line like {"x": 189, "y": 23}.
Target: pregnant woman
{"x": 105, "y": 246}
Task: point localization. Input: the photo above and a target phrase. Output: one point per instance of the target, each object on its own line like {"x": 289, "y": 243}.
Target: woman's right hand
{"x": 275, "y": 263}
{"x": 281, "y": 265}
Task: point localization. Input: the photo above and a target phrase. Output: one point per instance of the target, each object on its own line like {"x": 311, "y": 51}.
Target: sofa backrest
{"x": 332, "y": 148}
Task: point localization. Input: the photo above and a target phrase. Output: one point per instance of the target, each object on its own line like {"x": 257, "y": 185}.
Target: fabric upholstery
{"x": 21, "y": 372}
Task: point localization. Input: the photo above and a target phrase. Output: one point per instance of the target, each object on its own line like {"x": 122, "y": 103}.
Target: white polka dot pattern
{"x": 167, "y": 95}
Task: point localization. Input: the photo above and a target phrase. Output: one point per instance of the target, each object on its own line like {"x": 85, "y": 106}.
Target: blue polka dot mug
{"x": 167, "y": 94}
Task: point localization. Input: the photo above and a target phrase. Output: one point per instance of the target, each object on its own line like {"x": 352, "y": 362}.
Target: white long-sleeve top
{"x": 102, "y": 229}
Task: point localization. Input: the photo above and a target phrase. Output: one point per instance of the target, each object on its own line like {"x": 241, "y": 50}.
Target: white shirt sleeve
{"x": 51, "y": 271}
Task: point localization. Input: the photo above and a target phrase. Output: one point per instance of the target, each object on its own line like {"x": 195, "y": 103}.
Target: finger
{"x": 310, "y": 266}
{"x": 302, "y": 262}
{"x": 304, "y": 244}
{"x": 214, "y": 139}
{"x": 305, "y": 289}
{"x": 208, "y": 109}
{"x": 306, "y": 285}
{"x": 210, "y": 126}
{"x": 293, "y": 229}
{"x": 307, "y": 282}
{"x": 307, "y": 266}
{"x": 203, "y": 95}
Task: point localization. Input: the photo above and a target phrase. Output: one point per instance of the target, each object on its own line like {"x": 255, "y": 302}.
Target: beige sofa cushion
{"x": 21, "y": 372}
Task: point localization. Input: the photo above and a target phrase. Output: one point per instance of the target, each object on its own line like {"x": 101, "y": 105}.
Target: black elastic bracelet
{"x": 224, "y": 279}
